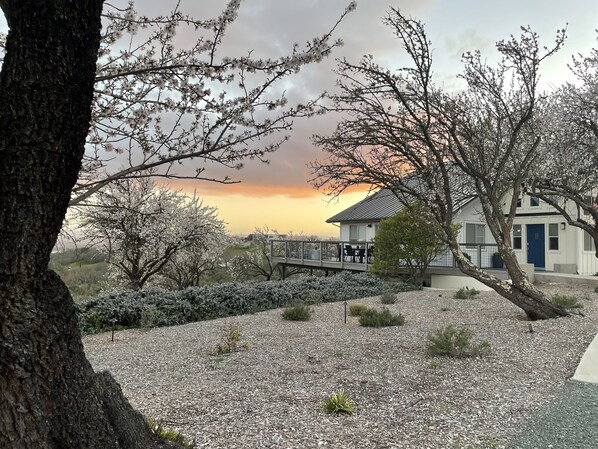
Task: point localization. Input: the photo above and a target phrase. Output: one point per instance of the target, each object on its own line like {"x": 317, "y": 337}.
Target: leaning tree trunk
{"x": 520, "y": 291}
{"x": 50, "y": 398}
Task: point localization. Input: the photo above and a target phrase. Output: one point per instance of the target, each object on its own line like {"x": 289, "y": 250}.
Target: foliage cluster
{"x": 339, "y": 403}
{"x": 567, "y": 302}
{"x": 455, "y": 342}
{"x": 216, "y": 301}
{"x": 466, "y": 293}
{"x": 299, "y": 312}
{"x": 380, "y": 318}
{"x": 171, "y": 435}
{"x": 357, "y": 309}
{"x": 410, "y": 239}
{"x": 388, "y": 298}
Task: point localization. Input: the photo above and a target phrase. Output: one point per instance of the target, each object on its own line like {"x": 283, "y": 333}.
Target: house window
{"x": 519, "y": 202}
{"x": 475, "y": 233}
{"x": 357, "y": 233}
{"x": 588, "y": 242}
{"x": 534, "y": 202}
{"x": 553, "y": 236}
{"x": 517, "y": 240}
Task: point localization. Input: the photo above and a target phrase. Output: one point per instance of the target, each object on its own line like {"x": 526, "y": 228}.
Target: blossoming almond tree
{"x": 143, "y": 227}
{"x": 568, "y": 174}
{"x": 403, "y": 132}
{"x": 50, "y": 397}
{"x": 157, "y": 104}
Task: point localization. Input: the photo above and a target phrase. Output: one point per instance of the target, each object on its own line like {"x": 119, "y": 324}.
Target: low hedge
{"x": 129, "y": 308}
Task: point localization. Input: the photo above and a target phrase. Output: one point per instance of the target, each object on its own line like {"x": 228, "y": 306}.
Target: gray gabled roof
{"x": 384, "y": 204}
{"x": 376, "y": 207}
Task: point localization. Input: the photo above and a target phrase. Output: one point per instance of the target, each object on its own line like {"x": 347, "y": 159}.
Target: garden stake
{"x": 113, "y": 321}
{"x": 345, "y": 312}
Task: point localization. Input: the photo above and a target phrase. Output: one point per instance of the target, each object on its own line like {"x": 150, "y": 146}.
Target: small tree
{"x": 142, "y": 227}
{"x": 410, "y": 239}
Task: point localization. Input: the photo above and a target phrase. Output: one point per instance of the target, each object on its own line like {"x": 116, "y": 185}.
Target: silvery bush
{"x": 125, "y": 308}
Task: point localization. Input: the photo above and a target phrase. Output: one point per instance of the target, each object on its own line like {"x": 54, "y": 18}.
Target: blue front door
{"x": 535, "y": 245}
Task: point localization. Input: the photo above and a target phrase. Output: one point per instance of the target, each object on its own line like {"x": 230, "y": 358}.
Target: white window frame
{"x": 361, "y": 232}
{"x": 519, "y": 237}
{"x": 552, "y": 237}
{"x": 477, "y": 227}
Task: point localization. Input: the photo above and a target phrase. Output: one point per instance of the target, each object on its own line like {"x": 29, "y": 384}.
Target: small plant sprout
{"x": 171, "y": 435}
{"x": 339, "y": 404}
{"x": 230, "y": 337}
{"x": 466, "y": 293}
{"x": 435, "y": 364}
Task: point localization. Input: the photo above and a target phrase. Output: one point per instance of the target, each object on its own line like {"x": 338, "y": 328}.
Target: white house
{"x": 540, "y": 234}
{"x": 542, "y": 237}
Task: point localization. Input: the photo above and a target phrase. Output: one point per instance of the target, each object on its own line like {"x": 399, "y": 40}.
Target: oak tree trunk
{"x": 520, "y": 291}
{"x": 50, "y": 398}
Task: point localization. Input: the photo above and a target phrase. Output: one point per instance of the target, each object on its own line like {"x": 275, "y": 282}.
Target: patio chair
{"x": 361, "y": 254}
{"x": 349, "y": 253}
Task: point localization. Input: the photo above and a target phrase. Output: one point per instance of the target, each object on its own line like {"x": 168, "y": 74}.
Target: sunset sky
{"x": 278, "y": 195}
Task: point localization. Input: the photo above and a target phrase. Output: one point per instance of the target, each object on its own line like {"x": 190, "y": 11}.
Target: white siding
{"x": 471, "y": 213}
{"x": 370, "y": 230}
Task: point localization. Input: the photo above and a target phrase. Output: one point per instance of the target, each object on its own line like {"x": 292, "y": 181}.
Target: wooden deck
{"x": 334, "y": 255}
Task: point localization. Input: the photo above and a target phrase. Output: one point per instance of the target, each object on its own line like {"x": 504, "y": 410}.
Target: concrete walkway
{"x": 570, "y": 421}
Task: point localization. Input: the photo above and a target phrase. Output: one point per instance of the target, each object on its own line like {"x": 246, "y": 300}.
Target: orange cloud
{"x": 204, "y": 188}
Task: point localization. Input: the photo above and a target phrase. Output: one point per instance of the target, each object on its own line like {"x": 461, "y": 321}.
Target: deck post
{"x": 479, "y": 256}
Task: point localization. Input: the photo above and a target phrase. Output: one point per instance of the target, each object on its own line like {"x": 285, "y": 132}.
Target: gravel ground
{"x": 270, "y": 395}
{"x": 569, "y": 422}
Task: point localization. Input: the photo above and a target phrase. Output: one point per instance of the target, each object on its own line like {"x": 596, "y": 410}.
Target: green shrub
{"x": 297, "y": 313}
{"x": 375, "y": 318}
{"x": 445, "y": 309}
{"x": 169, "y": 434}
{"x": 357, "y": 309}
{"x": 454, "y": 342}
{"x": 596, "y": 289}
{"x": 466, "y": 293}
{"x": 566, "y": 302}
{"x": 388, "y": 298}
{"x": 339, "y": 403}
{"x": 151, "y": 317}
{"x": 230, "y": 337}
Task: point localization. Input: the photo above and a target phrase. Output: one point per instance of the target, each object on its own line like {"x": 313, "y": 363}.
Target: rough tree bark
{"x": 50, "y": 397}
